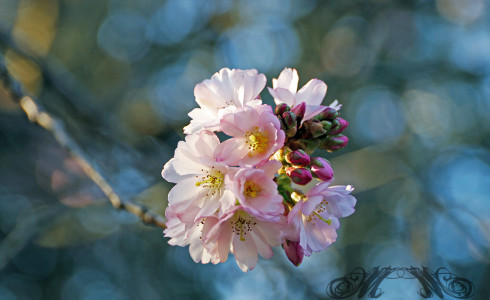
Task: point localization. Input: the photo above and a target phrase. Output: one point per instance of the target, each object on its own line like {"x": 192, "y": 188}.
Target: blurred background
{"x": 118, "y": 76}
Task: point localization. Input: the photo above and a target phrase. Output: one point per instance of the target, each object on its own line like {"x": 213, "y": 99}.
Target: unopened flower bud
{"x": 336, "y": 142}
{"x": 321, "y": 168}
{"x": 299, "y": 176}
{"x": 294, "y": 252}
{"x": 328, "y": 114}
{"x": 314, "y": 127}
{"x": 299, "y": 109}
{"x": 326, "y": 125}
{"x": 289, "y": 119}
{"x": 298, "y": 158}
{"x": 340, "y": 140}
{"x": 310, "y": 145}
{"x": 335, "y": 126}
{"x": 282, "y": 108}
{"x": 340, "y": 125}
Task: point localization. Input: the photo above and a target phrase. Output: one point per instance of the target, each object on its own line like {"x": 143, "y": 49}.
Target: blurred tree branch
{"x": 37, "y": 114}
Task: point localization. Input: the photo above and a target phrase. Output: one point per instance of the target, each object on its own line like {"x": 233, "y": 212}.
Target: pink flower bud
{"x": 339, "y": 142}
{"x": 294, "y": 252}
{"x": 289, "y": 119}
{"x": 321, "y": 168}
{"x": 300, "y": 109}
{"x": 341, "y": 124}
{"x": 298, "y": 158}
{"x": 282, "y": 108}
{"x": 328, "y": 114}
{"x": 336, "y": 142}
{"x": 299, "y": 176}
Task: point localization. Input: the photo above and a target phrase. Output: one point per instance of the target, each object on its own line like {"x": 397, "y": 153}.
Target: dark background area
{"x": 118, "y": 78}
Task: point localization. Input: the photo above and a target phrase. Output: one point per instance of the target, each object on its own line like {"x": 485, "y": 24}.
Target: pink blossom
{"x": 192, "y": 234}
{"x": 314, "y": 219}
{"x": 256, "y": 134}
{"x": 285, "y": 90}
{"x": 256, "y": 190}
{"x": 200, "y": 180}
{"x": 245, "y": 235}
{"x": 227, "y": 91}
{"x": 228, "y": 196}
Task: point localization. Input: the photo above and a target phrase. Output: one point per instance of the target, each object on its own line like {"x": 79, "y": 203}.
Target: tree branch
{"x": 37, "y": 114}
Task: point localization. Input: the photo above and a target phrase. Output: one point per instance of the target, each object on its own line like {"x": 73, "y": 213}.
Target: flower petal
{"x": 310, "y": 204}
{"x": 184, "y": 192}
{"x": 311, "y": 111}
{"x": 210, "y": 95}
{"x": 335, "y": 105}
{"x": 270, "y": 167}
{"x": 231, "y": 151}
{"x": 202, "y": 119}
{"x": 169, "y": 173}
{"x": 227, "y": 202}
{"x": 270, "y": 232}
{"x": 245, "y": 252}
{"x": 252, "y": 84}
{"x": 262, "y": 248}
{"x": 288, "y": 79}
{"x": 281, "y": 95}
{"x": 312, "y": 93}
{"x": 211, "y": 205}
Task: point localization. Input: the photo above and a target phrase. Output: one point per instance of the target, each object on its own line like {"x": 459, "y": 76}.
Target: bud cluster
{"x": 302, "y": 168}
{"x": 323, "y": 131}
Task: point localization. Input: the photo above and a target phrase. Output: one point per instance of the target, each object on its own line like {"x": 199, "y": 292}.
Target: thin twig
{"x": 37, "y": 114}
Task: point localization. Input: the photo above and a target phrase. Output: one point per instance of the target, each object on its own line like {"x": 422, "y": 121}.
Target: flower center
{"x": 212, "y": 179}
{"x": 251, "y": 189}
{"x": 227, "y": 104}
{"x": 240, "y": 225}
{"x": 257, "y": 141}
{"x": 322, "y": 207}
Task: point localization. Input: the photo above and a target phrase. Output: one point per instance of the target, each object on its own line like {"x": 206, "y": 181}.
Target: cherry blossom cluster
{"x": 259, "y": 188}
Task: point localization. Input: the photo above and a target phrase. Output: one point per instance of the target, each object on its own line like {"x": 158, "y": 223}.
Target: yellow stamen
{"x": 257, "y": 142}
{"x": 212, "y": 181}
{"x": 251, "y": 189}
{"x": 241, "y": 224}
{"x": 241, "y": 233}
{"x": 329, "y": 222}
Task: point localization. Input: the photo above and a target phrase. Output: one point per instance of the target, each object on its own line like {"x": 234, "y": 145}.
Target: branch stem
{"x": 37, "y": 114}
